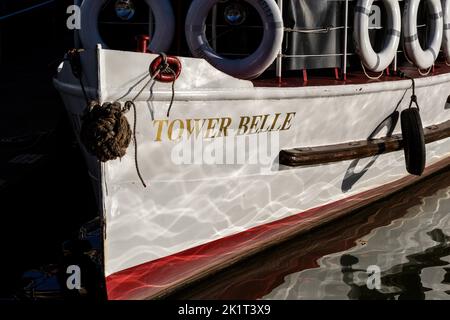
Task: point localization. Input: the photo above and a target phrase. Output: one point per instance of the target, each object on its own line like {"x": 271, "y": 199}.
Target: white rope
{"x": 318, "y": 30}
{"x": 426, "y": 73}
{"x": 370, "y": 77}
{"x": 406, "y": 55}
{"x": 315, "y": 55}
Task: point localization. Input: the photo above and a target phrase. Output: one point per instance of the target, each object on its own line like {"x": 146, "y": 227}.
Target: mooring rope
{"x": 402, "y": 98}
{"x": 163, "y": 68}
{"x": 131, "y": 104}
{"x": 413, "y": 86}
{"x": 77, "y": 70}
{"x": 105, "y": 131}
{"x": 128, "y": 105}
{"x": 172, "y": 99}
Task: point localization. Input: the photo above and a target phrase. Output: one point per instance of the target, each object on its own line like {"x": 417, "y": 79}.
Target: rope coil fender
{"x": 105, "y": 131}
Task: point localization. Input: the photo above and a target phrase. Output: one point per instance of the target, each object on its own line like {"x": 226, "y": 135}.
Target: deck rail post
{"x": 214, "y": 27}
{"x": 344, "y": 69}
{"x": 279, "y": 63}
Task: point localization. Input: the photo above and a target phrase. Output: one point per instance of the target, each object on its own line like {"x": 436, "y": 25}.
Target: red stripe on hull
{"x": 160, "y": 277}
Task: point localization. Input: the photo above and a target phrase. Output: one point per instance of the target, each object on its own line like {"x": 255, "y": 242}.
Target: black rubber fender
{"x": 413, "y": 141}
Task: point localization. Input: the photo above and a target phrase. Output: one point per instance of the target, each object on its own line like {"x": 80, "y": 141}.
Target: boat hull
{"x": 201, "y": 212}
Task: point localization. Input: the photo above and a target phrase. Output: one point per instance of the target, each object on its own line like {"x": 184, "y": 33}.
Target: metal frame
{"x": 344, "y": 68}
{"x": 345, "y": 54}
{"x": 279, "y": 70}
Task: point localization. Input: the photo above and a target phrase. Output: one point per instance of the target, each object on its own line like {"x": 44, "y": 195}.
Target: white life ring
{"x": 423, "y": 59}
{"x": 377, "y": 61}
{"x": 446, "y": 35}
{"x": 246, "y": 68}
{"x": 164, "y": 24}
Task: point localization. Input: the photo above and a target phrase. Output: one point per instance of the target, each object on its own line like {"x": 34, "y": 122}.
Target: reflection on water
{"x": 406, "y": 236}
{"x": 410, "y": 251}
{"x": 406, "y": 277}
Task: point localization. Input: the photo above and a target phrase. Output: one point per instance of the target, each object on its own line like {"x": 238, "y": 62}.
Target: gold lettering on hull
{"x": 210, "y": 128}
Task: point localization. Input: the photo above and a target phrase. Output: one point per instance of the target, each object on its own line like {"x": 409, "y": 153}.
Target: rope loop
{"x": 413, "y": 101}
{"x": 169, "y": 68}
{"x": 426, "y": 73}
{"x": 127, "y": 107}
{"x": 164, "y": 64}
{"x": 369, "y": 76}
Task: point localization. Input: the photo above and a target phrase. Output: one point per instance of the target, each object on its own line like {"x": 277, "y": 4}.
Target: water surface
{"x": 406, "y": 236}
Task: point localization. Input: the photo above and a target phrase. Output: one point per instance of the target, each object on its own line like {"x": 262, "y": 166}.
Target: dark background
{"x": 45, "y": 193}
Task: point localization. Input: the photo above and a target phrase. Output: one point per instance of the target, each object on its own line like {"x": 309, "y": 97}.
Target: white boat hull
{"x": 186, "y": 206}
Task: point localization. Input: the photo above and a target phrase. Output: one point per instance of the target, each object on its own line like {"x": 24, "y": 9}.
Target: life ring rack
{"x": 373, "y": 61}
{"x": 164, "y": 24}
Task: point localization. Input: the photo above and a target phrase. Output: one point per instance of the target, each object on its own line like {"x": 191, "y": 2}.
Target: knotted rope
{"x": 105, "y": 131}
